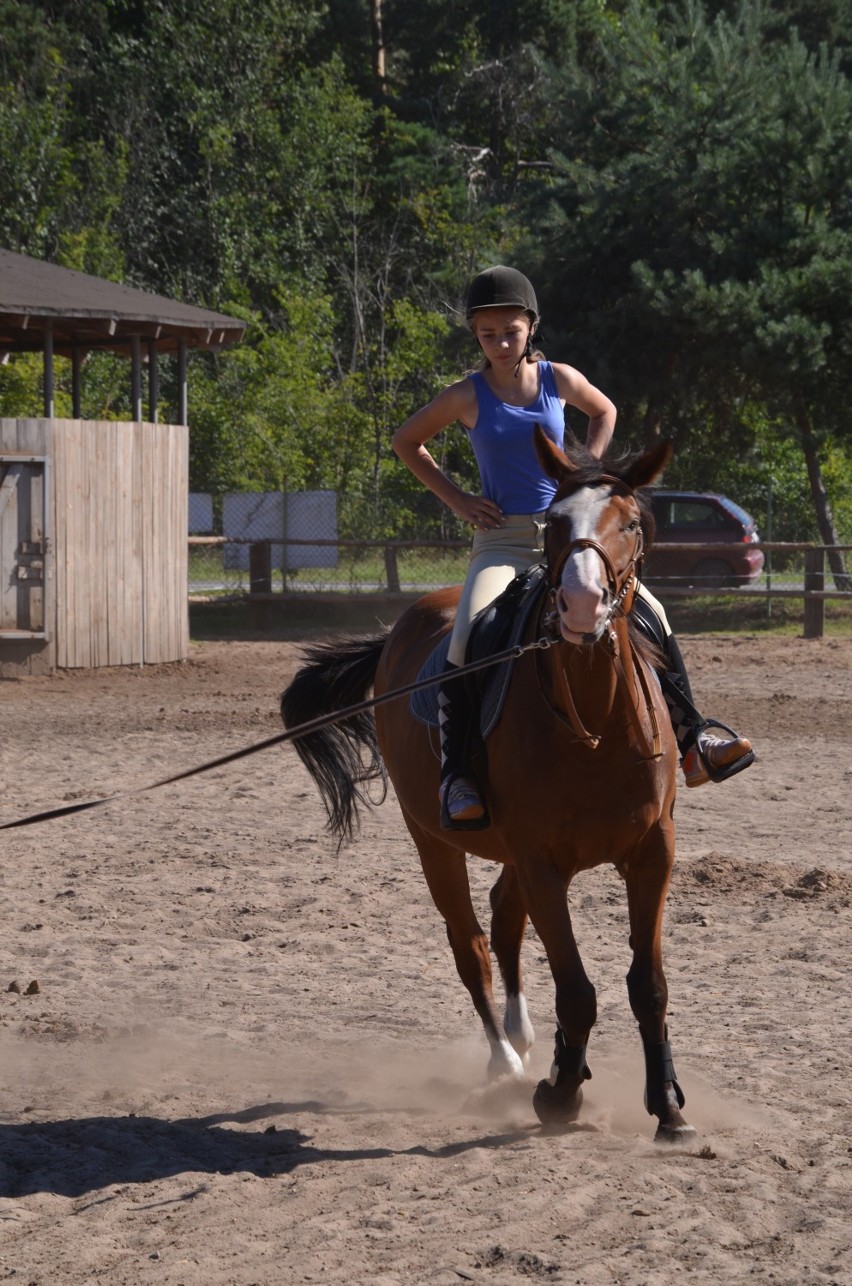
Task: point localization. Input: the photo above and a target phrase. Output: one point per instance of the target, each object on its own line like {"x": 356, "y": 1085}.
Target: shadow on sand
{"x": 73, "y": 1157}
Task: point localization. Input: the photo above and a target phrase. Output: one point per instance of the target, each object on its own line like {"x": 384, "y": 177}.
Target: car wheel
{"x": 713, "y": 573}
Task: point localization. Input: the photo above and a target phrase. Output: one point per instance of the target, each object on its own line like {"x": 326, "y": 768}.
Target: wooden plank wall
{"x": 165, "y": 454}
{"x": 123, "y": 594}
{"x": 118, "y": 547}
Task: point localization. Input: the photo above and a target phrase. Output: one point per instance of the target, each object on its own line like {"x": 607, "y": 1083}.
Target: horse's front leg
{"x": 508, "y": 922}
{"x": 647, "y": 879}
{"x": 545, "y": 893}
{"x": 446, "y": 875}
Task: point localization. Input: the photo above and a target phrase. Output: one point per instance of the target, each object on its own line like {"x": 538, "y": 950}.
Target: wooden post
{"x": 153, "y": 382}
{"x": 182, "y": 397}
{"x": 260, "y": 582}
{"x": 260, "y": 567}
{"x": 76, "y": 399}
{"x": 136, "y": 378}
{"x": 814, "y": 617}
{"x": 48, "y": 370}
{"x": 391, "y": 569}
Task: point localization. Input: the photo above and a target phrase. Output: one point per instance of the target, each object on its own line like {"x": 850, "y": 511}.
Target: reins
{"x": 624, "y": 674}
{"x": 301, "y": 730}
{"x": 620, "y": 585}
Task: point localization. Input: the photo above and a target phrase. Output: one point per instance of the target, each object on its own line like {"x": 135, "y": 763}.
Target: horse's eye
{"x": 632, "y": 526}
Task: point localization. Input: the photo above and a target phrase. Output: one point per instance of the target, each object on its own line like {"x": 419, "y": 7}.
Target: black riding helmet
{"x": 501, "y": 287}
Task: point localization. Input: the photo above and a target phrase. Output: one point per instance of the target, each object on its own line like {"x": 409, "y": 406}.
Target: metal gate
{"x": 23, "y": 546}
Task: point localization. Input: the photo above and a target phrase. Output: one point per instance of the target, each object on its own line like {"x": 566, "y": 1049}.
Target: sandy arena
{"x": 248, "y": 1058}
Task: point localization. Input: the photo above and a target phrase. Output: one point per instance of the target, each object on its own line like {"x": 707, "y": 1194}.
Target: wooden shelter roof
{"x": 86, "y": 312}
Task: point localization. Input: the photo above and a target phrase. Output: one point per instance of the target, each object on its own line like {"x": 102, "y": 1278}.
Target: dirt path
{"x": 249, "y": 1059}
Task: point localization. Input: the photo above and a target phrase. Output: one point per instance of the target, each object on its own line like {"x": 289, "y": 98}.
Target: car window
{"x": 679, "y": 514}
{"x": 692, "y": 514}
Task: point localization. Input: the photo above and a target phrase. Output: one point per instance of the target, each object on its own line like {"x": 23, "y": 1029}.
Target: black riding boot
{"x": 462, "y": 808}
{"x": 704, "y": 756}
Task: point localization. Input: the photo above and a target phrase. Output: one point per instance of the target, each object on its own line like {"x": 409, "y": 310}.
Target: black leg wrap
{"x": 659, "y": 1068}
{"x": 557, "y": 1101}
{"x": 570, "y": 1060}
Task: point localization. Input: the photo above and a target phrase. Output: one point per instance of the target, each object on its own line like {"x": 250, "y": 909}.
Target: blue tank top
{"x": 502, "y": 441}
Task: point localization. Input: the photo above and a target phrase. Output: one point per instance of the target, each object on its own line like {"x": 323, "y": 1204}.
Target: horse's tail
{"x": 344, "y": 756}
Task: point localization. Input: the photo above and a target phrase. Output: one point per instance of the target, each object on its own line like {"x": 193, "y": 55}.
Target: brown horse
{"x": 579, "y": 770}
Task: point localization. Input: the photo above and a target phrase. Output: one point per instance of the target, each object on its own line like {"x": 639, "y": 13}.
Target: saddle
{"x": 497, "y": 627}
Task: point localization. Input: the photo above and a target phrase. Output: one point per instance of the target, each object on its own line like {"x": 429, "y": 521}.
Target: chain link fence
{"x": 274, "y": 542}
{"x": 219, "y": 567}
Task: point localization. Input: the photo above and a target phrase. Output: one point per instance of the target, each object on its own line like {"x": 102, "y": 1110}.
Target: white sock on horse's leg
{"x": 504, "y": 1061}
{"x": 519, "y": 1029}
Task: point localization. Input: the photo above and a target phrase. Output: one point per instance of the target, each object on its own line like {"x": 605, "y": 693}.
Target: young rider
{"x": 513, "y": 389}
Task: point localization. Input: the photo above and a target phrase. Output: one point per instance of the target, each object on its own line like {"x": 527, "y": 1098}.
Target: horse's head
{"x": 594, "y": 535}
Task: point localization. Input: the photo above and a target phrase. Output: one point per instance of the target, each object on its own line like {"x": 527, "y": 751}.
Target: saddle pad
{"x": 497, "y": 627}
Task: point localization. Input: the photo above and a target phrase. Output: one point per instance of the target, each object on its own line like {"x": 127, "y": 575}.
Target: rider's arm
{"x": 577, "y": 391}
{"x": 458, "y": 402}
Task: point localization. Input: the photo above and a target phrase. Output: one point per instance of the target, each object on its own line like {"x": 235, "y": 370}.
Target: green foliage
{"x": 20, "y": 387}
{"x": 676, "y": 177}
{"x": 698, "y": 234}
{"x": 36, "y": 179}
{"x": 277, "y": 413}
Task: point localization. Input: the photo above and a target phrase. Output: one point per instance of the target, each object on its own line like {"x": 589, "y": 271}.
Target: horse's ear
{"x": 554, "y": 462}
{"x": 648, "y": 466}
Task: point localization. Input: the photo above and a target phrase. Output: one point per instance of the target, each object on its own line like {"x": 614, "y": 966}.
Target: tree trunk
{"x": 822, "y": 508}
{"x": 378, "y": 50}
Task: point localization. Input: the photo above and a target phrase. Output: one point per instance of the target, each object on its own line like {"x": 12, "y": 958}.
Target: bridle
{"x": 619, "y": 583}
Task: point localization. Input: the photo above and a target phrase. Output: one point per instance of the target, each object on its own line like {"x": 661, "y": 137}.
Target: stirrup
{"x": 725, "y": 771}
{"x": 449, "y": 823}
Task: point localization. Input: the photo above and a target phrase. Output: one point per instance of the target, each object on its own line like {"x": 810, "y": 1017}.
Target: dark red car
{"x": 700, "y": 518}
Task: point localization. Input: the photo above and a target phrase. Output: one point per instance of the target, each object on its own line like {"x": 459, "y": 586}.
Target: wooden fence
{"x": 812, "y": 589}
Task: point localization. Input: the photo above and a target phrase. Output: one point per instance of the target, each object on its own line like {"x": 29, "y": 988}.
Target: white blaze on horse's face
{"x": 583, "y": 595}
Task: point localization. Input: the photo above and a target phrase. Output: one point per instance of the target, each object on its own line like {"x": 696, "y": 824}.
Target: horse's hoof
{"x": 679, "y": 1135}
{"x": 553, "y": 1107}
